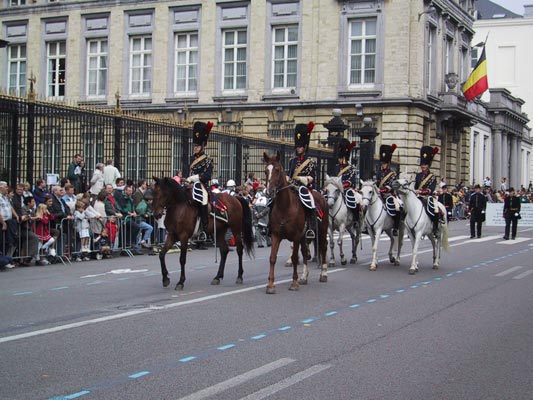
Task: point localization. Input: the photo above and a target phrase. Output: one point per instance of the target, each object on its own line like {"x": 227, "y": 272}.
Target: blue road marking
{"x": 329, "y": 314}
{"x": 21, "y": 293}
{"x": 284, "y": 328}
{"x": 414, "y": 286}
{"x": 355, "y": 305}
{"x": 400, "y": 291}
{"x": 226, "y": 347}
{"x": 122, "y": 279}
{"x": 94, "y": 283}
{"x": 257, "y": 337}
{"x": 384, "y": 296}
{"x": 450, "y": 274}
{"x": 76, "y": 395}
{"x": 60, "y": 288}
{"x": 139, "y": 374}
{"x": 308, "y": 320}
{"x": 187, "y": 359}
{"x": 371, "y": 301}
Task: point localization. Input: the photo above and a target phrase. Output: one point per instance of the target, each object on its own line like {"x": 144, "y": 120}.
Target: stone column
{"x": 497, "y": 154}
{"x": 520, "y": 161}
{"x": 513, "y": 159}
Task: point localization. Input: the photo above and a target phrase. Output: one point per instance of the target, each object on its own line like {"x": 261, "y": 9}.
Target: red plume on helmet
{"x": 310, "y": 126}
{"x": 435, "y": 150}
{"x": 393, "y": 147}
{"x": 209, "y": 126}
{"x": 352, "y": 146}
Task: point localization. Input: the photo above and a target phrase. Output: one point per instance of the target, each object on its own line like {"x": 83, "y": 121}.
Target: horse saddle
{"x": 218, "y": 209}
{"x": 350, "y": 199}
{"x": 199, "y": 193}
{"x": 431, "y": 207}
{"x": 393, "y": 205}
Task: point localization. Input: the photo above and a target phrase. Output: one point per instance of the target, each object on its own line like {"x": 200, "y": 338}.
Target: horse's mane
{"x": 335, "y": 181}
{"x": 173, "y": 190}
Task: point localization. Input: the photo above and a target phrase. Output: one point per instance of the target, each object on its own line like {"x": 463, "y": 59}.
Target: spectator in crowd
{"x": 178, "y": 176}
{"x": 131, "y": 227}
{"x": 511, "y": 213}
{"x": 230, "y": 187}
{"x": 63, "y": 218}
{"x": 118, "y": 192}
{"x": 138, "y": 196}
{"x": 97, "y": 180}
{"x": 99, "y": 203}
{"x": 29, "y": 242}
{"x": 83, "y": 177}
{"x": 43, "y": 222}
{"x": 74, "y": 173}
{"x": 8, "y": 221}
{"x": 446, "y": 199}
{"x": 523, "y": 196}
{"x": 111, "y": 206}
{"x": 40, "y": 191}
{"x": 503, "y": 184}
{"x": 145, "y": 219}
{"x": 215, "y": 186}
{"x": 111, "y": 173}
{"x": 82, "y": 229}
{"x": 27, "y": 190}
{"x": 18, "y": 198}
{"x": 487, "y": 182}
{"x": 250, "y": 179}
{"x": 69, "y": 197}
{"x": 102, "y": 243}
{"x": 112, "y": 229}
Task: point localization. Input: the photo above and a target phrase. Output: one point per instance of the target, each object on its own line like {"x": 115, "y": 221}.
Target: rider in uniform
{"x": 426, "y": 182}
{"x": 346, "y": 171}
{"x": 302, "y": 172}
{"x": 200, "y": 172}
{"x": 385, "y": 177}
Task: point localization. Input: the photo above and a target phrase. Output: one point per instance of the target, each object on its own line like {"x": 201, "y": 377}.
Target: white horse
{"x": 341, "y": 219}
{"x": 418, "y": 224}
{"x": 377, "y": 221}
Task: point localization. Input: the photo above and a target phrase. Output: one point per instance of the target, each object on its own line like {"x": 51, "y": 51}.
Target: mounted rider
{"x": 426, "y": 183}
{"x": 302, "y": 174}
{"x": 385, "y": 177}
{"x": 347, "y": 172}
{"x": 200, "y": 172}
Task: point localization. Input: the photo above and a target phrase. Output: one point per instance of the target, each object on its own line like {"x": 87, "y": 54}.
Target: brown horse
{"x": 181, "y": 223}
{"x": 287, "y": 221}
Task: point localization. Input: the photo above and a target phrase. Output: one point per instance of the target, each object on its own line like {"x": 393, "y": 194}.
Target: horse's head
{"x": 401, "y": 186}
{"x": 167, "y": 192}
{"x": 368, "y": 191}
{"x": 275, "y": 175}
{"x": 333, "y": 189}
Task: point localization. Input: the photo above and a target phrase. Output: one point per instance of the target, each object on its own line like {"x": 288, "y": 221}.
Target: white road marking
{"x": 514, "y": 241}
{"x": 509, "y": 271}
{"x": 285, "y": 383}
{"x": 456, "y": 238}
{"x": 485, "y": 239}
{"x": 238, "y": 380}
{"x": 141, "y": 311}
{"x": 523, "y": 274}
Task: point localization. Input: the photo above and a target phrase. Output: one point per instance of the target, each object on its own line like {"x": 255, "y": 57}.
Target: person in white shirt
{"x": 97, "y": 180}
{"x": 111, "y": 174}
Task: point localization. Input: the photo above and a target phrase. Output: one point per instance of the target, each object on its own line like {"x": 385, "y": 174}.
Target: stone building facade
{"x": 259, "y": 67}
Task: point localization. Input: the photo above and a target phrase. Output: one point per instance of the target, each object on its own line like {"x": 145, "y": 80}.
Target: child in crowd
{"x": 82, "y": 228}
{"x": 103, "y": 243}
{"x": 47, "y": 236}
{"x": 112, "y": 230}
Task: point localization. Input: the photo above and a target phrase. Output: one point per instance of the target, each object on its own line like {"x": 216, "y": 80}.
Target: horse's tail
{"x": 445, "y": 244}
{"x": 247, "y": 230}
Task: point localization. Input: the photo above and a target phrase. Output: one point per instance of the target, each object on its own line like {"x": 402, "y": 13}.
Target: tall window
{"x": 234, "y": 48}
{"x": 430, "y": 60}
{"x": 137, "y": 155}
{"x": 362, "y": 52}
{"x": 56, "y": 61}
{"x": 140, "y": 65}
{"x": 52, "y": 158}
{"x": 285, "y": 57}
{"x": 449, "y": 59}
{"x": 186, "y": 61}
{"x": 17, "y": 69}
{"x": 97, "y": 54}
{"x": 13, "y": 3}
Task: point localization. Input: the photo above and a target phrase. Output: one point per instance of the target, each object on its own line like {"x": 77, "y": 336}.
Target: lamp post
{"x": 367, "y": 149}
{"x": 336, "y": 128}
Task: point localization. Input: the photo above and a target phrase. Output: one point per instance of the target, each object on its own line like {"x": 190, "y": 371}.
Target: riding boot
{"x": 396, "y": 224}
{"x": 204, "y": 222}
{"x": 311, "y": 225}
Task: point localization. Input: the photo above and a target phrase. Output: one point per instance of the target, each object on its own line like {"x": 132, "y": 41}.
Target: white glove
{"x": 193, "y": 178}
{"x": 483, "y": 212}
{"x": 302, "y": 179}
{"x": 516, "y": 214}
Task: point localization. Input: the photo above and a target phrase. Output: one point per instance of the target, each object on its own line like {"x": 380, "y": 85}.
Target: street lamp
{"x": 336, "y": 128}
{"x": 367, "y": 146}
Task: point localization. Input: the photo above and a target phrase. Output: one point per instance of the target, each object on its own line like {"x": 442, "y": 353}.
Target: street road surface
{"x": 109, "y": 330}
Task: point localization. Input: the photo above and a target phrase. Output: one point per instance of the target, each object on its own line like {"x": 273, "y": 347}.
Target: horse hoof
{"x": 353, "y": 261}
{"x": 344, "y": 262}
{"x": 270, "y": 290}
{"x": 435, "y": 267}
{"x": 302, "y": 281}
{"x": 294, "y": 287}
{"x": 179, "y": 286}
{"x": 373, "y": 267}
{"x": 412, "y": 271}
{"x": 239, "y": 281}
{"x": 392, "y": 260}
{"x": 288, "y": 264}
{"x": 215, "y": 281}
{"x": 166, "y": 282}
{"x": 323, "y": 278}
{"x": 396, "y": 262}
{"x": 331, "y": 264}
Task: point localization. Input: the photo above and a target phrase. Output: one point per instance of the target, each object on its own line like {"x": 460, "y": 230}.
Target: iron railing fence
{"x": 40, "y": 138}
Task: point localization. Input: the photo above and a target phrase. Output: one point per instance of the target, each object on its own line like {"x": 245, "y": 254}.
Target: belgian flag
{"x": 477, "y": 82}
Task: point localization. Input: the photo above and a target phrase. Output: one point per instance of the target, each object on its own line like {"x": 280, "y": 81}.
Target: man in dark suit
{"x": 446, "y": 199}
{"x": 64, "y": 220}
{"x": 511, "y": 213}
{"x": 478, "y": 204}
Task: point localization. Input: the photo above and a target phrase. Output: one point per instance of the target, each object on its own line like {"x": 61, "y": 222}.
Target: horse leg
{"x": 240, "y": 248}
{"x": 391, "y": 247}
{"x": 414, "y": 262}
{"x": 375, "y": 240}
{"x": 323, "y": 248}
{"x": 294, "y": 285}
{"x": 184, "y": 243}
{"x": 223, "y": 246}
{"x": 436, "y": 252}
{"x": 339, "y": 243}
{"x": 271, "y": 287}
{"x": 164, "y": 272}
{"x": 399, "y": 243}
{"x": 331, "y": 247}
{"x": 288, "y": 263}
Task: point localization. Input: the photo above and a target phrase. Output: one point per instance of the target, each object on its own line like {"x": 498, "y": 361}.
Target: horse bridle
{"x": 339, "y": 196}
{"x": 369, "y": 204}
{"x": 404, "y": 186}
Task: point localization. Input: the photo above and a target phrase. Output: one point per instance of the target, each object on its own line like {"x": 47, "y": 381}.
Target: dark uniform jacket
{"x": 202, "y": 165}
{"x": 447, "y": 200}
{"x": 385, "y": 177}
{"x": 478, "y": 203}
{"x": 348, "y": 175}
{"x": 511, "y": 205}
{"x": 423, "y": 184}
{"x": 308, "y": 170}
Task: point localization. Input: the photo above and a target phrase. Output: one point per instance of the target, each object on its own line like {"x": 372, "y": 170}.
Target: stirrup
{"x": 309, "y": 234}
